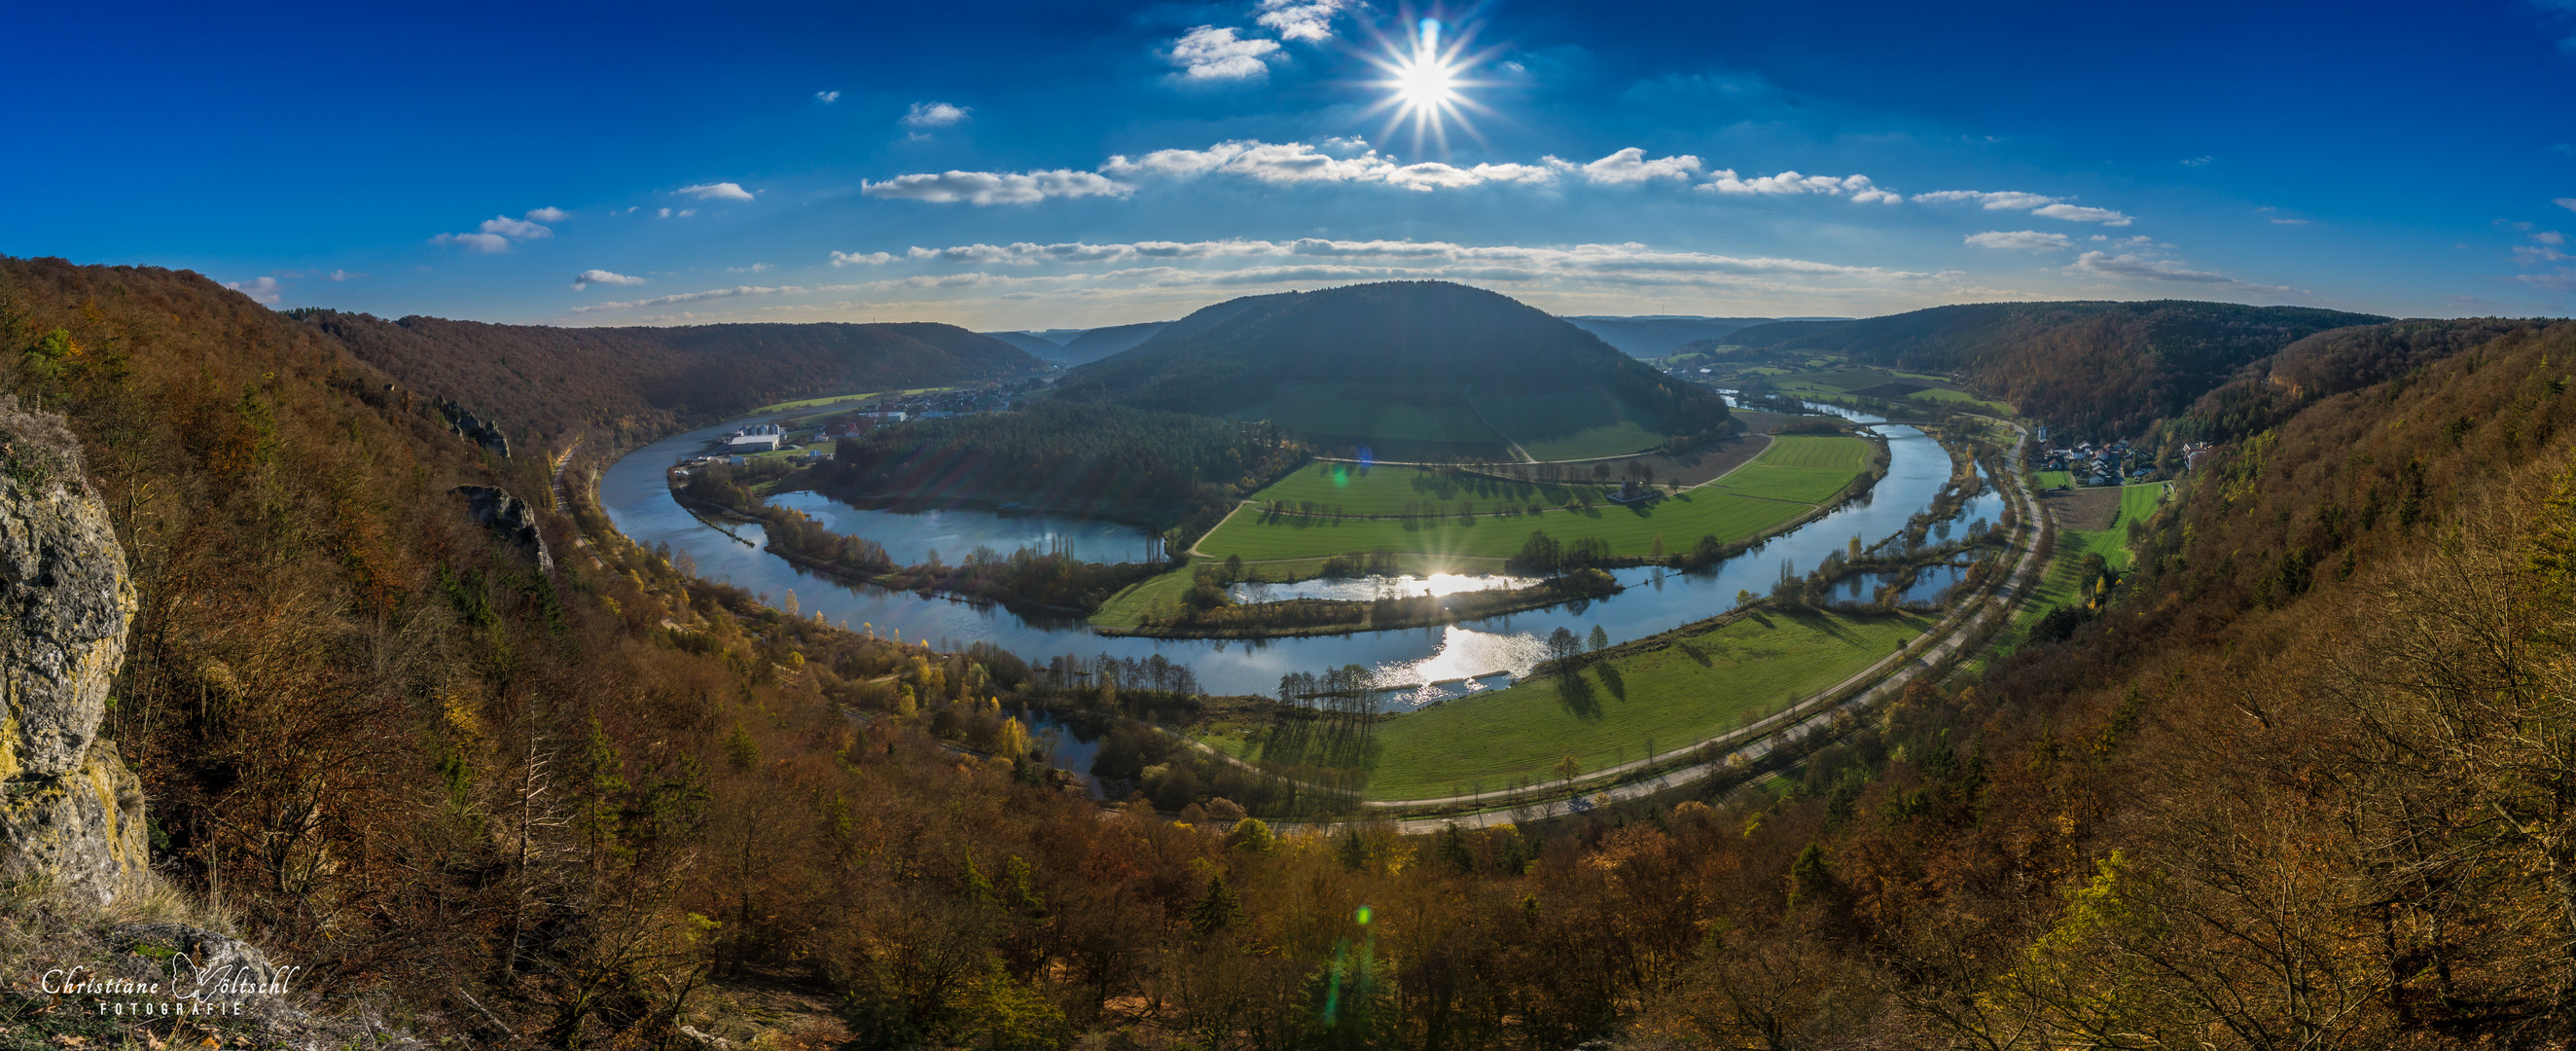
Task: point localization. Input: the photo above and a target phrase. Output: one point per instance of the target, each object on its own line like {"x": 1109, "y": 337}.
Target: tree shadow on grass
{"x": 1611, "y": 678}
{"x": 1577, "y": 696}
{"x": 1829, "y": 625}
{"x": 1695, "y": 653}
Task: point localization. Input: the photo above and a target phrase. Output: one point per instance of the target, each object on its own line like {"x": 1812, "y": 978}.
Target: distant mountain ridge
{"x": 1656, "y": 335}
{"x": 538, "y": 379}
{"x": 1095, "y": 344}
{"x": 2090, "y": 367}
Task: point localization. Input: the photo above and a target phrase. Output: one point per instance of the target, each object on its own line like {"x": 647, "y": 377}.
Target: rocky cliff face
{"x": 71, "y": 813}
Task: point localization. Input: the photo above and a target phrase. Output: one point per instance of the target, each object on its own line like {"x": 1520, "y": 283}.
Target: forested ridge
{"x": 543, "y": 381}
{"x": 1234, "y": 354}
{"x": 1173, "y": 469}
{"x": 2097, "y": 369}
{"x": 2303, "y": 783}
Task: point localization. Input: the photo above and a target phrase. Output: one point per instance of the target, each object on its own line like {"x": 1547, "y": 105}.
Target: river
{"x": 1460, "y": 658}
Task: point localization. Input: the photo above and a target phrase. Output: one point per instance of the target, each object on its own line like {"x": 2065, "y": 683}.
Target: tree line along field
{"x": 1788, "y": 479}
{"x": 1700, "y": 685}
{"x": 1362, "y": 490}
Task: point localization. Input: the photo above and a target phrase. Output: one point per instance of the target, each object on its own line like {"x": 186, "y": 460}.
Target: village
{"x": 792, "y": 439}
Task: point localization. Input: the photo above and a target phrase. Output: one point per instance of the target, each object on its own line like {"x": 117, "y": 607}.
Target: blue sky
{"x": 1078, "y": 164}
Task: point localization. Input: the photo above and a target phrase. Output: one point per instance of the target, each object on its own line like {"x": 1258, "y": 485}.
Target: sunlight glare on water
{"x": 1464, "y": 654}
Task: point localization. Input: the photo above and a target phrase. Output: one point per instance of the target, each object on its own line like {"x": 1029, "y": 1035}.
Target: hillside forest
{"x": 2301, "y": 782}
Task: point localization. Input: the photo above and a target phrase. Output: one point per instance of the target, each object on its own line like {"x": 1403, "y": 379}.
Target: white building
{"x": 751, "y": 443}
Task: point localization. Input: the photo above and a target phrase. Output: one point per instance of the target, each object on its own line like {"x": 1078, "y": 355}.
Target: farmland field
{"x": 1699, "y": 686}
{"x": 1793, "y": 472}
{"x": 1679, "y": 521}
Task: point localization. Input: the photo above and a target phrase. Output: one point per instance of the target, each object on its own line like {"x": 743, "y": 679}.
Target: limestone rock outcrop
{"x": 71, "y": 813}
{"x": 509, "y": 516}
{"x": 464, "y": 424}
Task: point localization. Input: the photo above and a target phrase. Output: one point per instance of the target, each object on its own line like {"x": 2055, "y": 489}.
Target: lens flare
{"x": 1363, "y": 915}
{"x": 1425, "y": 82}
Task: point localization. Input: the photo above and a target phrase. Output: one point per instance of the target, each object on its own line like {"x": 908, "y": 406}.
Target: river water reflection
{"x": 1435, "y": 663}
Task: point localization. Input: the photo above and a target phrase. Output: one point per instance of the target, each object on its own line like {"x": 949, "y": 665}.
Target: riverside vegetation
{"x": 2292, "y": 781}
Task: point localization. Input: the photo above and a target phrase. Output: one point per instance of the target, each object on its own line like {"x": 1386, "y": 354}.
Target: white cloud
{"x": 1307, "y": 20}
{"x": 2041, "y": 205}
{"x": 1630, "y": 165}
{"x": 714, "y": 191}
{"x": 2075, "y": 213}
{"x": 934, "y": 115}
{"x": 588, "y": 278}
{"x": 1215, "y": 53}
{"x": 1277, "y": 163}
{"x": 2535, "y": 255}
{"x": 2562, "y": 280}
{"x": 827, "y": 97}
{"x": 2021, "y": 240}
{"x": 1995, "y": 201}
{"x": 755, "y": 268}
{"x": 1787, "y": 183}
{"x": 995, "y": 188}
{"x": 260, "y": 289}
{"x": 2131, "y": 265}
{"x": 478, "y": 242}
{"x": 681, "y": 214}
{"x": 516, "y": 229}
{"x": 1629, "y": 258}
{"x": 495, "y": 234}
{"x": 549, "y": 215}
{"x": 736, "y": 292}
{"x": 343, "y": 275}
{"x": 2202, "y": 161}
{"x": 2568, "y": 203}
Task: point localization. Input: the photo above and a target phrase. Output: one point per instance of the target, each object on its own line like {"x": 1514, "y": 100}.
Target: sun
{"x": 1424, "y": 82}
{"x": 1425, "y": 78}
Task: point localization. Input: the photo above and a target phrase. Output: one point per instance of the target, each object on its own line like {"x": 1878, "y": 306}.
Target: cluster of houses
{"x": 2104, "y": 465}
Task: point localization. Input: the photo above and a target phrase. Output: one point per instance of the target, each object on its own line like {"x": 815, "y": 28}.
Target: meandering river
{"x": 1445, "y": 662}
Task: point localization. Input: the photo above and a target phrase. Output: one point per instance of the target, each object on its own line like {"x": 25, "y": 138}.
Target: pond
{"x": 1429, "y": 664}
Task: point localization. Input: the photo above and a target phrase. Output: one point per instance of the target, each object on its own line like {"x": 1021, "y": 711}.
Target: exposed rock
{"x": 472, "y": 428}
{"x": 509, "y": 516}
{"x": 70, "y": 813}
{"x": 204, "y": 965}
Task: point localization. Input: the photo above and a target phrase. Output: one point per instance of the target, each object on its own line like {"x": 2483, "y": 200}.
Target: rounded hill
{"x": 1411, "y": 369}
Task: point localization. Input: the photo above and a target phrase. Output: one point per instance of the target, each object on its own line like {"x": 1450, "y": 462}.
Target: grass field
{"x": 1700, "y": 686}
{"x": 2059, "y": 582}
{"x": 1960, "y": 399}
{"x": 1679, "y": 521}
{"x": 1572, "y": 425}
{"x": 837, "y": 398}
{"x": 1795, "y": 470}
{"x": 2051, "y": 479}
{"x": 1808, "y": 468}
